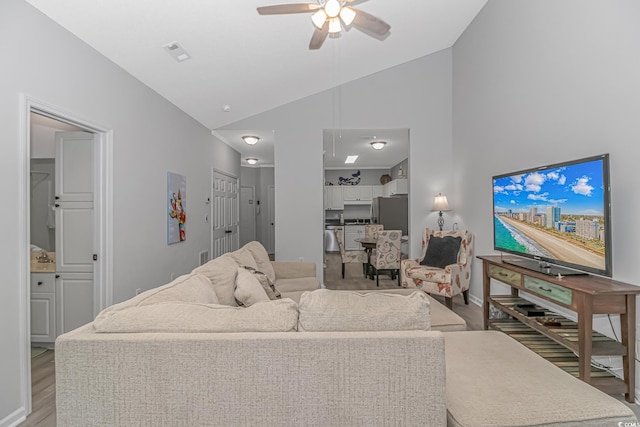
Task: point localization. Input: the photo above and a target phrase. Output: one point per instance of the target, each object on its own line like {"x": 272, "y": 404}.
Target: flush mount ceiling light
{"x": 252, "y": 160}
{"x": 331, "y": 17}
{"x": 251, "y": 139}
{"x": 378, "y": 145}
{"x": 351, "y": 159}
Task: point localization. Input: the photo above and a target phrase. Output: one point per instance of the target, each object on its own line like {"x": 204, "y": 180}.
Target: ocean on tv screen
{"x": 555, "y": 213}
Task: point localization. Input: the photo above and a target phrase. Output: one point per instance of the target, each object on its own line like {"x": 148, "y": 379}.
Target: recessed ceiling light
{"x": 252, "y": 160}
{"x": 351, "y": 159}
{"x": 378, "y": 145}
{"x": 251, "y": 139}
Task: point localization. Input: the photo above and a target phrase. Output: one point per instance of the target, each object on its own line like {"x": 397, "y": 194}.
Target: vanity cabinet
{"x": 43, "y": 307}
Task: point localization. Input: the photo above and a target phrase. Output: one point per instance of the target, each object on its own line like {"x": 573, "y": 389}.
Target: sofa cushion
{"x": 442, "y": 251}
{"x": 442, "y": 319}
{"x": 266, "y": 316}
{"x": 222, "y": 273}
{"x": 261, "y": 258}
{"x": 493, "y": 380}
{"x": 297, "y": 284}
{"x": 191, "y": 287}
{"x": 248, "y": 289}
{"x": 244, "y": 258}
{"x": 329, "y": 310}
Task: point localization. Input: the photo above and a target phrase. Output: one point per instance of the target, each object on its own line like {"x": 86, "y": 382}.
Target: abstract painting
{"x": 177, "y": 208}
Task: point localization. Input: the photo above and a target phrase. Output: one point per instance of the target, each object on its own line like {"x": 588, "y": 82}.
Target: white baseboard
{"x": 14, "y": 419}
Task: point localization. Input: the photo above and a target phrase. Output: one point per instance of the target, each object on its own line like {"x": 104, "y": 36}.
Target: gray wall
{"x": 260, "y": 178}
{"x": 415, "y": 95}
{"x": 538, "y": 82}
{"x": 151, "y": 137}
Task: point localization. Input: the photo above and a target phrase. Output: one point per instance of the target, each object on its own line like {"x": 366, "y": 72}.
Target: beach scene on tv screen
{"x": 553, "y": 213}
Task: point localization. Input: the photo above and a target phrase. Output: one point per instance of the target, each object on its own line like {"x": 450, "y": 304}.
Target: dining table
{"x": 368, "y": 244}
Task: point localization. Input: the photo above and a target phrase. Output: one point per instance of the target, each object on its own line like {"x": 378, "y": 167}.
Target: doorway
{"x": 99, "y": 224}
{"x": 225, "y": 236}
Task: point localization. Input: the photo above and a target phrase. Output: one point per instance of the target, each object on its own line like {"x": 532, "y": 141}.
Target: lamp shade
{"x": 440, "y": 203}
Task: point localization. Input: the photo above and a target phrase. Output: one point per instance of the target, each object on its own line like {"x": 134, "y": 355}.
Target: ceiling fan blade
{"x": 319, "y": 36}
{"x": 370, "y": 23}
{"x": 278, "y": 9}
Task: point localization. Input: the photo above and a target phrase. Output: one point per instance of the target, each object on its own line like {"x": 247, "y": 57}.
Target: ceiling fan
{"x": 329, "y": 17}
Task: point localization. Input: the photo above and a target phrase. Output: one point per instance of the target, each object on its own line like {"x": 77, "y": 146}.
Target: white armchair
{"x": 448, "y": 281}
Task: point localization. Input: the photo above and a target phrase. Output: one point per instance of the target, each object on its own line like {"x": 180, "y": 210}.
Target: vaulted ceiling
{"x": 248, "y": 62}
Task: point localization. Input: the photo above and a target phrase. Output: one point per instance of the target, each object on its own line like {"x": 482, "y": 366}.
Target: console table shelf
{"x": 565, "y": 334}
{"x": 568, "y": 344}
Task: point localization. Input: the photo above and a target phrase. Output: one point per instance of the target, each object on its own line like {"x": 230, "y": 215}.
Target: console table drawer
{"x": 504, "y": 275}
{"x": 549, "y": 290}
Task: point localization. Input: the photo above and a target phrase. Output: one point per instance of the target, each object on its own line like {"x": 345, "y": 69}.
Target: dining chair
{"x": 351, "y": 255}
{"x": 371, "y": 230}
{"x": 386, "y": 255}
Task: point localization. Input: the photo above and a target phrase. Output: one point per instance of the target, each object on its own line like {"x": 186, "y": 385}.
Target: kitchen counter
{"x": 37, "y": 266}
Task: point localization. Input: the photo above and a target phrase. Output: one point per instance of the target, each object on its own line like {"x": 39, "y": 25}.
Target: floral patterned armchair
{"x": 386, "y": 255}
{"x": 449, "y": 281}
{"x": 349, "y": 256}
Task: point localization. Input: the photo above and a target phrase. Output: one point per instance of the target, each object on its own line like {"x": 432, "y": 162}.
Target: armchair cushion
{"x": 442, "y": 251}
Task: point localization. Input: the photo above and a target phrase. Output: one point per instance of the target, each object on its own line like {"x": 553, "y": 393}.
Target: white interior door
{"x": 247, "y": 215}
{"x": 225, "y": 214}
{"x": 75, "y": 225}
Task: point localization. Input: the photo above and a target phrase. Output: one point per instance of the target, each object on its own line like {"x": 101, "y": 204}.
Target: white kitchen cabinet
{"x": 43, "y": 307}
{"x": 377, "y": 191}
{"x": 333, "y": 198}
{"x": 397, "y": 186}
{"x": 357, "y": 194}
{"x": 352, "y": 232}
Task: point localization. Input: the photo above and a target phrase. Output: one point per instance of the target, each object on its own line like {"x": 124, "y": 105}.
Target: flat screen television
{"x": 556, "y": 218}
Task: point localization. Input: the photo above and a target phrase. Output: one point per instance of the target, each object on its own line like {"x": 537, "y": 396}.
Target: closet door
{"x": 75, "y": 225}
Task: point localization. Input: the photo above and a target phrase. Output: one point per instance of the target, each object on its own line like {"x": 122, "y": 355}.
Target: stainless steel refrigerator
{"x": 392, "y": 212}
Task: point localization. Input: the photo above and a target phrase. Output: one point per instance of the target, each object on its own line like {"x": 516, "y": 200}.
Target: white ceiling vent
{"x": 177, "y": 51}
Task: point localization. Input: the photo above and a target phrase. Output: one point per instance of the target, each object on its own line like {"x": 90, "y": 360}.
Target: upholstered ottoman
{"x": 493, "y": 380}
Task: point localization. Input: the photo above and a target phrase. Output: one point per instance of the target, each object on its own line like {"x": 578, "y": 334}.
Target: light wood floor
{"x": 43, "y": 391}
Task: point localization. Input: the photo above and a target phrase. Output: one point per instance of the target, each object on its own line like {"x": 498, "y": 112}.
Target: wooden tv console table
{"x": 586, "y": 295}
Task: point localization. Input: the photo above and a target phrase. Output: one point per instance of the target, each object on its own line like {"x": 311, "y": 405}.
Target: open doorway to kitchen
{"x": 352, "y": 196}
{"x": 80, "y": 151}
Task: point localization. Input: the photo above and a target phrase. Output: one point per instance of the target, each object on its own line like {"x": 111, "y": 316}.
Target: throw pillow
{"x": 265, "y": 281}
{"x": 442, "y": 251}
{"x": 248, "y": 289}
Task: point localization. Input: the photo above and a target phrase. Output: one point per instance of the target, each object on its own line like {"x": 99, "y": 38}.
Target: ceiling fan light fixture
{"x": 378, "y": 145}
{"x": 347, "y": 15}
{"x": 250, "y": 139}
{"x": 334, "y": 26}
{"x": 332, "y": 8}
{"x": 319, "y": 18}
{"x": 252, "y": 160}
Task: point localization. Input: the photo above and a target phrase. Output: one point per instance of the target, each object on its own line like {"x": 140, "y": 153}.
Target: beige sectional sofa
{"x": 185, "y": 354}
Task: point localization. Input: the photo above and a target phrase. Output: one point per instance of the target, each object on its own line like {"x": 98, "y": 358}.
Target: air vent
{"x": 204, "y": 257}
{"x": 176, "y": 51}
